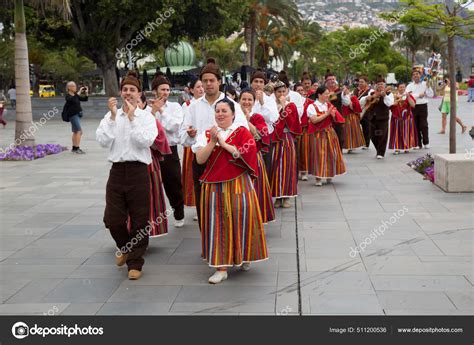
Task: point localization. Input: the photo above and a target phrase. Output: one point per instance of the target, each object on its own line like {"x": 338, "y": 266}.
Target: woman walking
{"x": 446, "y": 108}
{"x": 73, "y": 112}
{"x": 231, "y": 223}
{"x": 259, "y": 130}
{"x": 325, "y": 156}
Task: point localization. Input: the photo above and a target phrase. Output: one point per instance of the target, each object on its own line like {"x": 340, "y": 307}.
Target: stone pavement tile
{"x": 82, "y": 309}
{"x": 40, "y": 252}
{"x": 392, "y": 234}
{"x": 435, "y": 312}
{"x": 256, "y": 276}
{"x": 421, "y": 283}
{"x": 318, "y": 264}
{"x": 74, "y": 231}
{"x": 462, "y": 247}
{"x": 34, "y": 291}
{"x": 46, "y": 219}
{"x": 223, "y": 308}
{"x": 281, "y": 246}
{"x": 4, "y": 254}
{"x": 287, "y": 303}
{"x": 173, "y": 275}
{"x": 38, "y": 271}
{"x": 101, "y": 271}
{"x": 462, "y": 300}
{"x": 17, "y": 231}
{"x": 32, "y": 308}
{"x": 470, "y": 278}
{"x": 283, "y": 262}
{"x": 43, "y": 261}
{"x": 145, "y": 293}
{"x": 426, "y": 247}
{"x": 10, "y": 286}
{"x": 326, "y": 303}
{"x": 314, "y": 236}
{"x": 16, "y": 242}
{"x": 92, "y": 290}
{"x": 134, "y": 308}
{"x": 328, "y": 225}
{"x": 465, "y": 234}
{"x": 187, "y": 253}
{"x": 414, "y": 300}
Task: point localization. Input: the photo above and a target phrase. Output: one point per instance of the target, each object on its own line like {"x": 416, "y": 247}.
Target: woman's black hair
{"x": 320, "y": 90}
{"x": 228, "y": 102}
{"x": 193, "y": 82}
{"x": 248, "y": 90}
{"x": 296, "y": 85}
{"x": 232, "y": 92}
{"x": 143, "y": 98}
{"x": 401, "y": 83}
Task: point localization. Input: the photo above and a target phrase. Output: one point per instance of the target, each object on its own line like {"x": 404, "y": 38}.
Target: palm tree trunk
{"x": 452, "y": 96}
{"x": 248, "y": 41}
{"x": 24, "y": 115}
{"x": 253, "y": 36}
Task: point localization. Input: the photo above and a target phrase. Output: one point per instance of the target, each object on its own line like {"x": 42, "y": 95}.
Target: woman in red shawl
{"x": 284, "y": 171}
{"x": 351, "y": 109}
{"x": 259, "y": 130}
{"x": 231, "y": 223}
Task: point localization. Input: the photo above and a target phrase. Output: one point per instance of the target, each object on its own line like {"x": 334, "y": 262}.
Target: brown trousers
{"x": 128, "y": 194}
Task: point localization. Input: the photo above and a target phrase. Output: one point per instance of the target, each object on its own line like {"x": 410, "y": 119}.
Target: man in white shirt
{"x": 12, "y": 95}
{"x": 128, "y": 132}
{"x": 378, "y": 115}
{"x": 201, "y": 117}
{"x": 420, "y": 91}
{"x": 170, "y": 115}
{"x": 265, "y": 106}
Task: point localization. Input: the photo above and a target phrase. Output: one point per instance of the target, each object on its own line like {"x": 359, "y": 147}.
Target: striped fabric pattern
{"x": 284, "y": 175}
{"x": 325, "y": 160}
{"x": 303, "y": 150}
{"x": 402, "y": 133}
{"x": 231, "y": 224}
{"x": 353, "y": 136}
{"x": 187, "y": 177}
{"x": 264, "y": 192}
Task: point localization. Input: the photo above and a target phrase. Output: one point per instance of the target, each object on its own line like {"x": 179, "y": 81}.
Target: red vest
{"x": 259, "y": 122}
{"x": 288, "y": 118}
{"x": 327, "y": 122}
{"x": 222, "y": 166}
{"x": 356, "y": 108}
{"x": 304, "y": 118}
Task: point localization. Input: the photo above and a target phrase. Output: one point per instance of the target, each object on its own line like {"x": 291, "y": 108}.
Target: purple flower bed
{"x": 28, "y": 153}
{"x": 425, "y": 166}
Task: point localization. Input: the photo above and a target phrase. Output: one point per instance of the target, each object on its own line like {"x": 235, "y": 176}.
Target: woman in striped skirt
{"x": 196, "y": 89}
{"x": 351, "y": 109}
{"x": 259, "y": 130}
{"x": 284, "y": 170}
{"x": 325, "y": 153}
{"x": 402, "y": 123}
{"x": 231, "y": 223}
{"x": 303, "y": 143}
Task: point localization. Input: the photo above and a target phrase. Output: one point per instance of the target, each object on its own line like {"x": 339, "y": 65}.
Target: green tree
{"x": 453, "y": 19}
{"x": 67, "y": 65}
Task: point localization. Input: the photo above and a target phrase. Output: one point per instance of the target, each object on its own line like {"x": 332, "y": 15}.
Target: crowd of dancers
{"x": 242, "y": 157}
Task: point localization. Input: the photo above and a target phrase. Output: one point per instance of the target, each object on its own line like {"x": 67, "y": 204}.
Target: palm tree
{"x": 24, "y": 115}
{"x": 283, "y": 12}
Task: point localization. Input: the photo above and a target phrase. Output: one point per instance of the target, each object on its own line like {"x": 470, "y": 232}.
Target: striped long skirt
{"x": 187, "y": 177}
{"x": 402, "y": 133}
{"x": 353, "y": 136}
{"x": 284, "y": 177}
{"x": 264, "y": 192}
{"x": 231, "y": 223}
{"x": 303, "y": 150}
{"x": 158, "y": 223}
{"x": 325, "y": 154}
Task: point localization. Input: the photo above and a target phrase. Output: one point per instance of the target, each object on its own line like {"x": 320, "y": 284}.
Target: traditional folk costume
{"x": 231, "y": 223}
{"x": 284, "y": 170}
{"x": 262, "y": 185}
{"x": 378, "y": 115}
{"x": 187, "y": 172}
{"x": 326, "y": 159}
{"x": 335, "y": 98}
{"x": 364, "y": 121}
{"x": 353, "y": 136}
{"x": 302, "y": 142}
{"x": 402, "y": 126}
{"x": 128, "y": 187}
{"x": 420, "y": 112}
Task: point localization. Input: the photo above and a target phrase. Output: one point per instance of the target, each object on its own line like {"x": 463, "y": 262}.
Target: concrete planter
{"x": 455, "y": 172}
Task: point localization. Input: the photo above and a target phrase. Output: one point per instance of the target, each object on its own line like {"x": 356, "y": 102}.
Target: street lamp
{"x": 295, "y": 57}
{"x": 244, "y": 50}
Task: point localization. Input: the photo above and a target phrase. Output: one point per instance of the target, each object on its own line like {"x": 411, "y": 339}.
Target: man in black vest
{"x": 378, "y": 115}
{"x": 363, "y": 89}
{"x": 335, "y": 97}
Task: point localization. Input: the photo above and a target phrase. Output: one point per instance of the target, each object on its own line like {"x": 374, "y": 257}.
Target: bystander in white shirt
{"x": 171, "y": 119}
{"x": 129, "y": 141}
{"x": 201, "y": 116}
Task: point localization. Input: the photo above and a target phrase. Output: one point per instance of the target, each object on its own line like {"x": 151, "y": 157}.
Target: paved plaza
{"x": 56, "y": 257}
